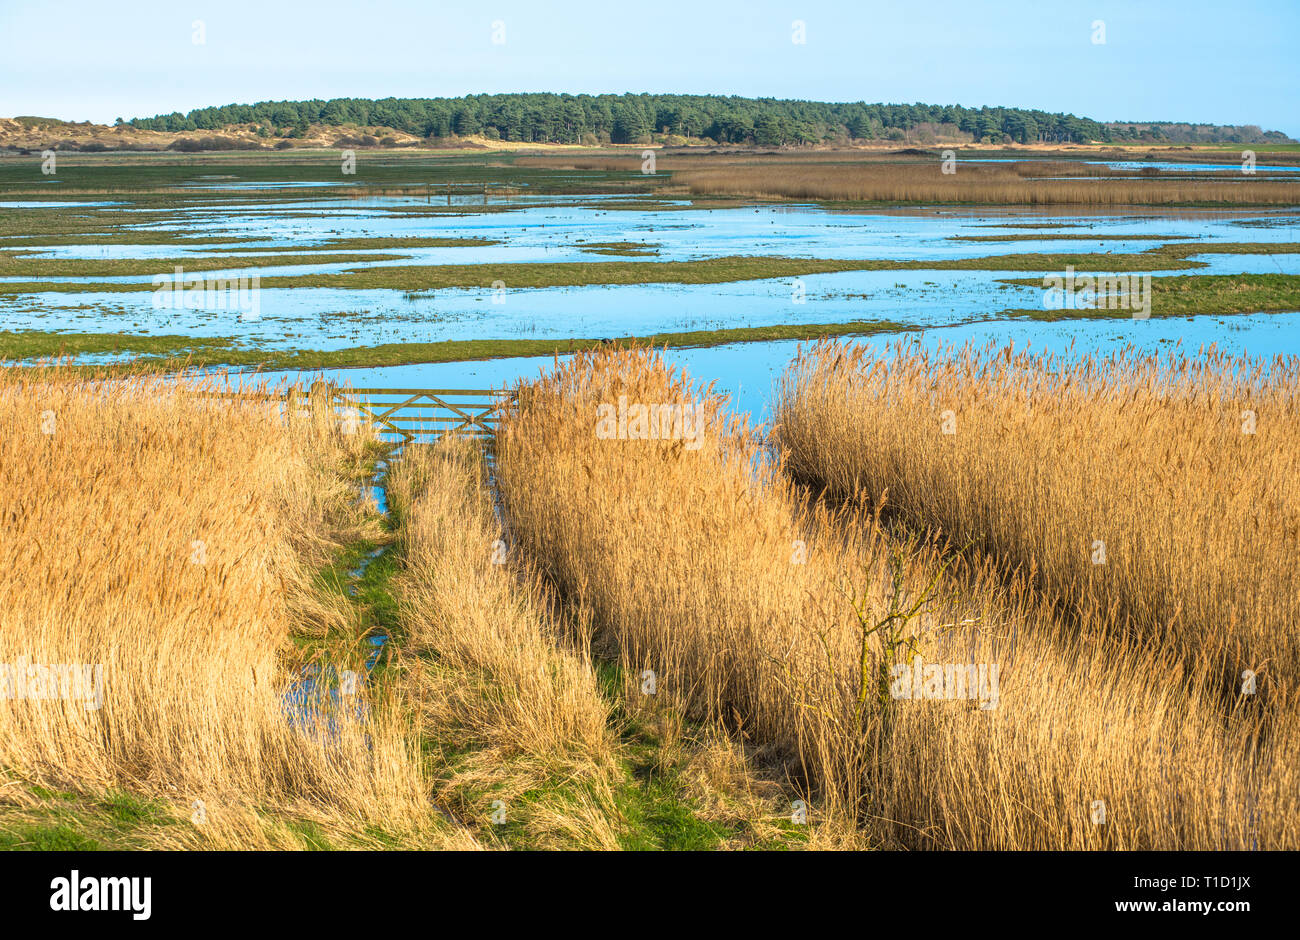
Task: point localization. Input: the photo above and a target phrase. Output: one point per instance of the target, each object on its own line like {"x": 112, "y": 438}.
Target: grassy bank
{"x": 171, "y": 352}
{"x": 232, "y": 243}
{"x": 1188, "y": 296}
{"x": 1077, "y": 234}
{"x": 18, "y": 264}
{"x": 409, "y": 277}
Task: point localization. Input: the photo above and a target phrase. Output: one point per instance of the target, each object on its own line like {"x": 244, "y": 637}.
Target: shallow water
{"x": 557, "y": 233}
{"x": 747, "y": 371}
{"x": 535, "y": 228}
{"x": 330, "y": 318}
{"x": 1176, "y": 167}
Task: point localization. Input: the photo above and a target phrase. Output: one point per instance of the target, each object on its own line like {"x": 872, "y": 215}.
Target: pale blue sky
{"x": 1227, "y": 63}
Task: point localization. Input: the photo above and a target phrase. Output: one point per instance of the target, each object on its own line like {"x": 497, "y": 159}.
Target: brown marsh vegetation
{"x": 919, "y": 177}
{"x": 172, "y": 539}
{"x": 1003, "y": 184}
{"x": 782, "y": 618}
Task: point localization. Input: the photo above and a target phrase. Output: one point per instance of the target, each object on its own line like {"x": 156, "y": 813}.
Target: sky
{"x": 1166, "y": 60}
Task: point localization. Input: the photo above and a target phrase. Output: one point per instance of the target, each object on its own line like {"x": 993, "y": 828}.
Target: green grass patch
{"x": 310, "y": 836}
{"x": 630, "y": 249}
{"x": 409, "y": 277}
{"x": 379, "y": 242}
{"x": 1078, "y": 235}
{"x": 66, "y": 821}
{"x": 176, "y": 352}
{"x": 658, "y": 813}
{"x": 125, "y": 236}
{"x": 48, "y": 837}
{"x": 128, "y": 810}
{"x": 33, "y": 344}
{"x": 1194, "y": 295}
{"x": 17, "y": 264}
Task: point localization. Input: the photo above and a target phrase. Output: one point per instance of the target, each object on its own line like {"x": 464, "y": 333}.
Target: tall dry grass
{"x": 639, "y": 534}
{"x": 167, "y": 537}
{"x": 708, "y": 571}
{"x": 491, "y": 668}
{"x": 1182, "y": 472}
{"x": 1000, "y": 184}
{"x": 509, "y": 697}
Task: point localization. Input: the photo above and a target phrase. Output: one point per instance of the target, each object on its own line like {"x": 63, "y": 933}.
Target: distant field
{"x": 876, "y": 175}
{"x": 992, "y": 184}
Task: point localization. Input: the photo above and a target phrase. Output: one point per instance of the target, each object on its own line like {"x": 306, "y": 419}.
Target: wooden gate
{"x": 420, "y": 415}
{"x": 400, "y": 416}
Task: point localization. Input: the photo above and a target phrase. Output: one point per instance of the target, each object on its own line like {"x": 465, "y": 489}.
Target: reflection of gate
{"x": 420, "y": 415}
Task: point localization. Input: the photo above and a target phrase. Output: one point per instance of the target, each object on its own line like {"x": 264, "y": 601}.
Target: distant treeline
{"x": 595, "y": 119}
{"x": 1172, "y": 132}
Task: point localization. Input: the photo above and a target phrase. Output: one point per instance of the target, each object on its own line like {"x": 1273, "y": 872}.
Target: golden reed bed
{"x": 708, "y": 569}
{"x": 169, "y": 539}
{"x": 1162, "y": 491}
{"x": 922, "y": 178}
{"x": 816, "y": 596}
{"x": 1002, "y": 184}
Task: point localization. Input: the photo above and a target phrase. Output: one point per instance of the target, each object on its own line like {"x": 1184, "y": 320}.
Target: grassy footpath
{"x": 530, "y": 743}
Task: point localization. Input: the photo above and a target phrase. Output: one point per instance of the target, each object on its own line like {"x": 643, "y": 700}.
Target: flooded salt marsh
{"x": 332, "y": 318}
{"x": 943, "y": 306}
{"x": 574, "y": 230}
{"x": 580, "y": 229}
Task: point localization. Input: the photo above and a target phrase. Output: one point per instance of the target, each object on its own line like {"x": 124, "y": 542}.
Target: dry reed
{"x": 165, "y": 536}
{"x": 1000, "y": 184}
{"x": 1164, "y": 491}
{"x": 491, "y": 668}
{"x": 710, "y": 574}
